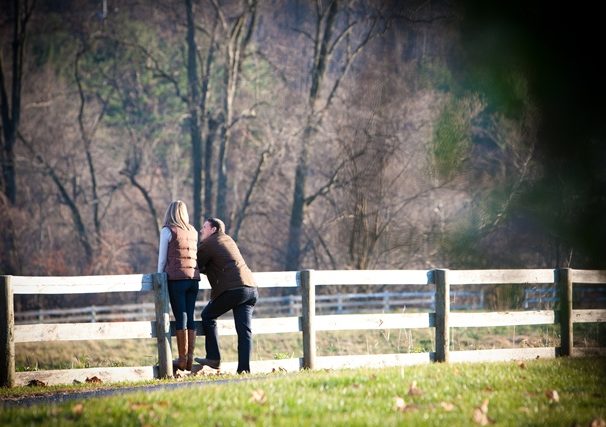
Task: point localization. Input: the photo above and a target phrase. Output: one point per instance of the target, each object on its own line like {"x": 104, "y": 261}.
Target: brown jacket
{"x": 181, "y": 254}
{"x": 220, "y": 259}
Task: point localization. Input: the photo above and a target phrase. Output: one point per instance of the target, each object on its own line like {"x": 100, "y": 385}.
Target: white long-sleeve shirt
{"x": 165, "y": 237}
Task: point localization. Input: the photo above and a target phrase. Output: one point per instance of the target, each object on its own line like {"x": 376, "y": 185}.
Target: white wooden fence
{"x": 269, "y": 306}
{"x": 309, "y": 323}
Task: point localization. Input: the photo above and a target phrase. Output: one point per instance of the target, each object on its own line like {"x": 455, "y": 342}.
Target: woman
{"x": 232, "y": 288}
{"x": 177, "y": 258}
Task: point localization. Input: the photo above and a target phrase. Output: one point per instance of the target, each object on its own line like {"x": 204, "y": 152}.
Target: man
{"x": 232, "y": 288}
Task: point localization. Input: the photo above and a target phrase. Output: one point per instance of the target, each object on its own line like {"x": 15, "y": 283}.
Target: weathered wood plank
{"x": 163, "y": 334}
{"x": 126, "y": 283}
{"x": 373, "y": 360}
{"x": 69, "y": 376}
{"x": 564, "y": 280}
{"x": 507, "y": 318}
{"x": 81, "y": 284}
{"x": 478, "y": 277}
{"x": 276, "y": 279}
{"x": 269, "y": 279}
{"x": 345, "y": 322}
{"x": 372, "y": 277}
{"x": 7, "y": 333}
{"x": 589, "y": 276}
{"x": 308, "y": 314}
{"x": 442, "y": 320}
{"x": 503, "y": 354}
{"x": 270, "y": 325}
{"x": 588, "y": 316}
{"x": 84, "y": 331}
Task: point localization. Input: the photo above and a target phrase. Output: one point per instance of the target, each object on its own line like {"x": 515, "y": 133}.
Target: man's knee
{"x": 208, "y": 321}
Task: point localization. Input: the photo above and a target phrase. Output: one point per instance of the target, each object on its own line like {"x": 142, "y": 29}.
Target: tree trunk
{"x": 11, "y": 110}
{"x": 10, "y": 114}
{"x": 239, "y": 37}
{"x": 322, "y": 38}
{"x": 194, "y": 126}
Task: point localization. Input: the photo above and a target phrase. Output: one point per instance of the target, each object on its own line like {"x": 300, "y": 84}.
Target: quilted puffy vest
{"x": 181, "y": 256}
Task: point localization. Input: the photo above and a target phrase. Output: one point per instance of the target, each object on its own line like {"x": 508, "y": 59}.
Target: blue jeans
{"x": 241, "y": 301}
{"x": 182, "y": 295}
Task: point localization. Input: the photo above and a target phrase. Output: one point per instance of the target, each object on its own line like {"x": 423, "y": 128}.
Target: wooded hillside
{"x": 327, "y": 134}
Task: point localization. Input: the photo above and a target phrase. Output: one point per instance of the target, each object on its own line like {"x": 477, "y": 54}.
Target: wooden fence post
{"x": 442, "y": 311}
{"x": 7, "y": 333}
{"x": 308, "y": 313}
{"x": 564, "y": 280}
{"x": 165, "y": 357}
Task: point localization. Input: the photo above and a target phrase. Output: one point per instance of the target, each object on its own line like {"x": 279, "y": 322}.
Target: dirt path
{"x": 62, "y": 397}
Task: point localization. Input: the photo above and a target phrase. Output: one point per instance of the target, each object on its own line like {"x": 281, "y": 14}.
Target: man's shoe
{"x": 215, "y": 364}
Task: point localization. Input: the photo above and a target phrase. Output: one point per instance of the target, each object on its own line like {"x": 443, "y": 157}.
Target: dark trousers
{"x": 182, "y": 295}
{"x": 242, "y": 302}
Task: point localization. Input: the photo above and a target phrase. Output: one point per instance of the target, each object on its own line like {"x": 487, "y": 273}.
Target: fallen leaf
{"x": 36, "y": 383}
{"x": 481, "y": 418}
{"x": 258, "y": 396}
{"x": 484, "y": 406}
{"x": 413, "y": 390}
{"x": 77, "y": 409}
{"x": 598, "y": 422}
{"x": 399, "y": 404}
{"x": 93, "y": 379}
{"x": 447, "y": 406}
{"x": 480, "y": 414}
{"x": 552, "y": 395}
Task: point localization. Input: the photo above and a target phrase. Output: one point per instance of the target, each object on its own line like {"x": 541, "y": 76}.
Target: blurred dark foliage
{"x": 558, "y": 49}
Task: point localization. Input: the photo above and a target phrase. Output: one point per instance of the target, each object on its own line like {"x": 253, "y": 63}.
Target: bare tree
{"x": 333, "y": 55}
{"x": 10, "y": 111}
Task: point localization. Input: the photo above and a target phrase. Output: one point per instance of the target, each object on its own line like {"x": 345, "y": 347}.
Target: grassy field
{"x": 557, "y": 392}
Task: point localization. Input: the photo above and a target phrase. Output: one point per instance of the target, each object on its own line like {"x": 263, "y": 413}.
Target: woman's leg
{"x": 176, "y": 293}
{"x": 190, "y": 301}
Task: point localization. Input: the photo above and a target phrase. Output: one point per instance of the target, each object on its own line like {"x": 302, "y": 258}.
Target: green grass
{"x": 450, "y": 393}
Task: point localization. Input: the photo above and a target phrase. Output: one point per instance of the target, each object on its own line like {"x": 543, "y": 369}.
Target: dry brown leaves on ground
{"x": 77, "y": 409}
{"x": 552, "y": 395}
{"x": 413, "y": 390}
{"x": 258, "y": 396}
{"x": 480, "y": 414}
{"x": 401, "y": 406}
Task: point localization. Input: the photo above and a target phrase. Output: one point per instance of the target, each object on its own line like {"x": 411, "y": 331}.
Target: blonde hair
{"x": 176, "y": 215}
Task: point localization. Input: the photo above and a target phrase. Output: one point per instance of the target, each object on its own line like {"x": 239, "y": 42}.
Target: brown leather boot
{"x": 182, "y": 349}
{"x": 191, "y": 346}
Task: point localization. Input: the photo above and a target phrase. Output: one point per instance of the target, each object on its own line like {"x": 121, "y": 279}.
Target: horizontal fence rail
{"x": 267, "y": 306}
{"x": 306, "y": 313}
